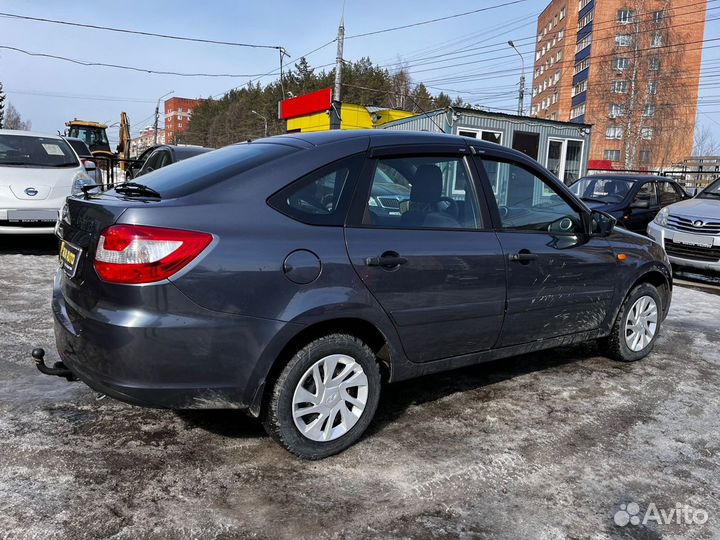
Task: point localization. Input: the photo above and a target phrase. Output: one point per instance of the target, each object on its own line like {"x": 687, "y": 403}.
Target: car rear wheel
{"x": 325, "y": 397}
{"x": 637, "y": 325}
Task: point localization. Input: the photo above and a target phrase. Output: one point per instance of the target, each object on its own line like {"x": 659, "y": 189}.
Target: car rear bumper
{"x": 686, "y": 255}
{"x": 195, "y": 360}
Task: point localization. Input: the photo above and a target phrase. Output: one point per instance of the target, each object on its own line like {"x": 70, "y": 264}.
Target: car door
{"x": 643, "y": 207}
{"x": 433, "y": 264}
{"x": 560, "y": 279}
{"x": 669, "y": 193}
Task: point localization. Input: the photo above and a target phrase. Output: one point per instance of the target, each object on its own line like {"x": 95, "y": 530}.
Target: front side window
{"x": 646, "y": 193}
{"x": 321, "y": 197}
{"x": 528, "y": 202}
{"x": 422, "y": 192}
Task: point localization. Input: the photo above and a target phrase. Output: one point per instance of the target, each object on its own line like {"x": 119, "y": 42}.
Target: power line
{"x": 139, "y": 32}
{"x": 80, "y": 96}
{"x": 438, "y": 19}
{"x": 129, "y": 68}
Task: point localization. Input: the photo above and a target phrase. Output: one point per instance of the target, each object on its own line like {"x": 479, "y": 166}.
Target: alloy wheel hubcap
{"x": 330, "y": 398}
{"x": 641, "y": 323}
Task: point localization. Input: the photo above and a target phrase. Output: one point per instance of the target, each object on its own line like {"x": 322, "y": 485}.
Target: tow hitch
{"x": 58, "y": 368}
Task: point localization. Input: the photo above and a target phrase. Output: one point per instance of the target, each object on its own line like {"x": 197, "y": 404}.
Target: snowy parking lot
{"x": 559, "y": 444}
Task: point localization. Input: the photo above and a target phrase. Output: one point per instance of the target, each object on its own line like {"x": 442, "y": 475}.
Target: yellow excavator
{"x": 123, "y": 146}
{"x": 93, "y": 134}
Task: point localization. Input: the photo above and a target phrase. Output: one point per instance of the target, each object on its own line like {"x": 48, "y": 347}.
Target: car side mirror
{"x": 89, "y": 165}
{"x": 640, "y": 203}
{"x": 601, "y": 223}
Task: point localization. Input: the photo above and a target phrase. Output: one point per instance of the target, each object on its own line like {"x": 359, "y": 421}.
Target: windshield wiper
{"x": 134, "y": 189}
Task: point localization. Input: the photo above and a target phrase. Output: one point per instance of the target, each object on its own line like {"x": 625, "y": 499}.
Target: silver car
{"x": 690, "y": 230}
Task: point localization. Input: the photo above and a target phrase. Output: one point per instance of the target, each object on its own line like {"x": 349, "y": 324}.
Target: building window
{"x": 555, "y": 98}
{"x": 614, "y": 132}
{"x": 579, "y": 88}
{"x": 557, "y": 77}
{"x": 563, "y": 11}
{"x": 655, "y": 63}
{"x": 612, "y": 155}
{"x": 620, "y": 64}
{"x": 578, "y": 110}
{"x": 649, "y": 110}
{"x": 626, "y": 16}
{"x": 558, "y": 56}
{"x": 553, "y": 116}
{"x": 583, "y": 3}
{"x": 619, "y": 87}
{"x": 653, "y": 88}
{"x": 561, "y": 34}
{"x": 616, "y": 110}
{"x": 646, "y": 133}
{"x": 623, "y": 40}
{"x": 644, "y": 156}
{"x": 658, "y": 16}
{"x": 584, "y": 43}
{"x": 587, "y": 19}
{"x": 581, "y": 65}
{"x": 657, "y": 41}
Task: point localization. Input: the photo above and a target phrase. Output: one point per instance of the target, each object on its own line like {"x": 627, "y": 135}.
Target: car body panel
{"x": 212, "y": 334}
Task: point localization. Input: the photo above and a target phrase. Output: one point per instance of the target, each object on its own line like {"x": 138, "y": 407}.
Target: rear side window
{"x": 192, "y": 175}
{"x": 321, "y": 197}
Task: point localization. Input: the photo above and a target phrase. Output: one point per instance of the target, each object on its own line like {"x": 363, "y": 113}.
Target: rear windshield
{"x": 191, "y": 175}
{"x": 29, "y": 151}
{"x": 81, "y": 148}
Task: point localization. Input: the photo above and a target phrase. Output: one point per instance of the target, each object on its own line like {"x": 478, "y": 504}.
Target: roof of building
{"x": 489, "y": 114}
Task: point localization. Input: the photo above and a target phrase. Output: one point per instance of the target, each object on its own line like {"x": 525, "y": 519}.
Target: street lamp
{"x": 264, "y": 119}
{"x": 521, "y": 91}
{"x": 157, "y": 113}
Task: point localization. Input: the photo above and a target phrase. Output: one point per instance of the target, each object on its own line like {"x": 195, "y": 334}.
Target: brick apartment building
{"x": 177, "y": 116}
{"x": 631, "y": 68}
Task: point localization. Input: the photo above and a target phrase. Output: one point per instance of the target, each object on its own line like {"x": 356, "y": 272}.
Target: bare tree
{"x": 2, "y": 105}
{"x": 705, "y": 143}
{"x": 651, "y": 96}
{"x": 13, "y": 120}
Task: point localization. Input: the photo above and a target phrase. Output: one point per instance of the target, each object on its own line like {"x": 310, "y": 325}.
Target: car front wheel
{"x": 637, "y": 325}
{"x": 325, "y": 397}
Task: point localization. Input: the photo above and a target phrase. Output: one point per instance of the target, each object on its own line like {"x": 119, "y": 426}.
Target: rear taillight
{"x": 138, "y": 254}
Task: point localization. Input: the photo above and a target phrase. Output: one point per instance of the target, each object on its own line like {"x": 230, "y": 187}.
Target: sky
{"x": 50, "y": 92}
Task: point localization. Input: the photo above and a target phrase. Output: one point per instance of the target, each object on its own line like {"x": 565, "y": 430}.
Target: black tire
{"x": 614, "y": 345}
{"x": 278, "y": 413}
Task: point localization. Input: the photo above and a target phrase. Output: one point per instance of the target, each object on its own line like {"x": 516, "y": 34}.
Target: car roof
{"x": 29, "y": 134}
{"x": 628, "y": 177}
{"x": 377, "y": 137}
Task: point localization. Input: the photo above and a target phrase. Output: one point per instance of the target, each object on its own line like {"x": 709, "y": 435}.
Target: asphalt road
{"x": 546, "y": 445}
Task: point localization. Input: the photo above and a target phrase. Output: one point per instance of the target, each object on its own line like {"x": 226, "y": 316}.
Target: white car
{"x": 690, "y": 230}
{"x": 37, "y": 173}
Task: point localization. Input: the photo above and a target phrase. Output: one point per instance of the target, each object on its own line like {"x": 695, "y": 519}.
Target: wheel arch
{"x": 360, "y": 328}
{"x": 661, "y": 279}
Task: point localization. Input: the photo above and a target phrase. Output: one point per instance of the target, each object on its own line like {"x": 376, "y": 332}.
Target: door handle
{"x": 523, "y": 256}
{"x": 386, "y": 260}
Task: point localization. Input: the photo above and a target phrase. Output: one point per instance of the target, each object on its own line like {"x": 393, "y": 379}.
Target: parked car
{"x": 235, "y": 279}
{"x": 633, "y": 200}
{"x": 86, "y": 157}
{"x": 164, "y": 155}
{"x": 690, "y": 230}
{"x": 37, "y": 173}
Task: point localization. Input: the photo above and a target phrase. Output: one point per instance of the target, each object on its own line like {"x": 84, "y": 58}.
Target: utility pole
{"x": 521, "y": 90}
{"x": 157, "y": 116}
{"x": 336, "y": 103}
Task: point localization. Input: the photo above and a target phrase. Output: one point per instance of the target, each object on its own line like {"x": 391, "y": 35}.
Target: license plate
{"x": 69, "y": 258}
{"x": 693, "y": 240}
{"x": 31, "y": 216}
